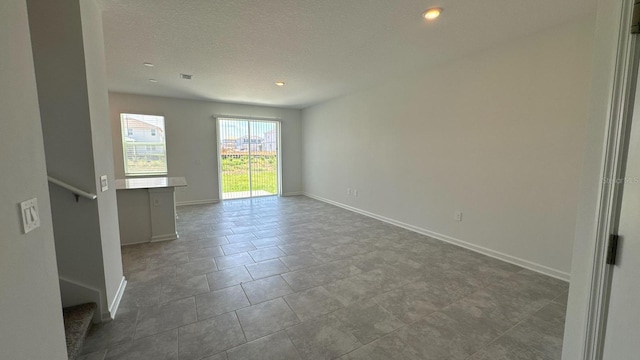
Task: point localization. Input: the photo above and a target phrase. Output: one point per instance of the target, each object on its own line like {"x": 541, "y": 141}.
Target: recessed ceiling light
{"x": 432, "y": 14}
{"x": 186, "y": 76}
{"x": 153, "y": 80}
{"x": 148, "y": 64}
{"x": 280, "y": 83}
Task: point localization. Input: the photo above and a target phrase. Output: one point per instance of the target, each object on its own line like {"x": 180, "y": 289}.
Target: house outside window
{"x": 143, "y": 144}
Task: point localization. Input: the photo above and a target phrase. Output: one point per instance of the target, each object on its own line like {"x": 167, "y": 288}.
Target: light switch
{"x": 103, "y": 183}
{"x": 30, "y": 215}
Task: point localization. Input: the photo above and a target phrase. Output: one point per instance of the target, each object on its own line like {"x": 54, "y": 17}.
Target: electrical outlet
{"x": 458, "y": 215}
{"x": 30, "y": 214}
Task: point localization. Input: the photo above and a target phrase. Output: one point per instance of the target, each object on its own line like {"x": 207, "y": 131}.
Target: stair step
{"x": 77, "y": 320}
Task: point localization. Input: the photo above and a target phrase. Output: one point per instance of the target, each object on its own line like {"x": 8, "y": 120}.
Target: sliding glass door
{"x": 248, "y": 158}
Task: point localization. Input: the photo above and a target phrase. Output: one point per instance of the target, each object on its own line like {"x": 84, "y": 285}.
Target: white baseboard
{"x": 293, "y": 193}
{"x": 561, "y": 275}
{"x": 113, "y": 308}
{"x": 164, "y": 237}
{"x": 135, "y": 243}
{"x": 197, "y": 202}
{"x": 168, "y": 238}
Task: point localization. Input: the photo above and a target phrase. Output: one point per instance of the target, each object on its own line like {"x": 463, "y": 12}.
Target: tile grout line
{"x": 246, "y": 340}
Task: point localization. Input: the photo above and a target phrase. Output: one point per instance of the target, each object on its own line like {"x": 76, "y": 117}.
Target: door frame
{"x": 613, "y": 168}
{"x": 278, "y": 123}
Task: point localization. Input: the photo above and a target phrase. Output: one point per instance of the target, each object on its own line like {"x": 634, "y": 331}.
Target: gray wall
{"x": 30, "y": 308}
{"x": 498, "y": 135}
{"x": 71, "y": 81}
{"x": 191, "y": 140}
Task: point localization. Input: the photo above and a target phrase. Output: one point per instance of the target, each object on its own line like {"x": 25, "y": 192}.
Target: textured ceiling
{"x": 237, "y": 49}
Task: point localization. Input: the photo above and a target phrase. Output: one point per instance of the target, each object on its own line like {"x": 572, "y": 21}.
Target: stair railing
{"x": 77, "y": 192}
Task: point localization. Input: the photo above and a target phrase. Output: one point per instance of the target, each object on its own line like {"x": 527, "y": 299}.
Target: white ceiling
{"x": 237, "y": 49}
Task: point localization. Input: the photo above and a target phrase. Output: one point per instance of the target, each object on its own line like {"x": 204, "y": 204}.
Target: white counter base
{"x": 147, "y": 210}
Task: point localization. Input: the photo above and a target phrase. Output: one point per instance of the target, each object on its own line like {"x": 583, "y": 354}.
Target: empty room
{"x": 299, "y": 179}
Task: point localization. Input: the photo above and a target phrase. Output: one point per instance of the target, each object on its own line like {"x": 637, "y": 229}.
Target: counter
{"x": 147, "y": 209}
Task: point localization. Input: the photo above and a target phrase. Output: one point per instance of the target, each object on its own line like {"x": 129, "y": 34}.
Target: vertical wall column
{"x": 68, "y": 51}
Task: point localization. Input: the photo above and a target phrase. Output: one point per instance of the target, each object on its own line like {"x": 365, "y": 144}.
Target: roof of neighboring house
{"x": 137, "y": 124}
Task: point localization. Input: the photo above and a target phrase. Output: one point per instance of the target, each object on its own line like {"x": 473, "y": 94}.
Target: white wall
{"x": 604, "y": 58}
{"x": 71, "y": 82}
{"x": 30, "y": 310}
{"x": 191, "y": 140}
{"x": 498, "y": 135}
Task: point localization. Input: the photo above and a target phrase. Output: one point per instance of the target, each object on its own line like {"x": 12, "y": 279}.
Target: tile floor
{"x": 295, "y": 278}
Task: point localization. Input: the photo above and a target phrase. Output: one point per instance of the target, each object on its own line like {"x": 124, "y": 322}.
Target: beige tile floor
{"x": 295, "y": 278}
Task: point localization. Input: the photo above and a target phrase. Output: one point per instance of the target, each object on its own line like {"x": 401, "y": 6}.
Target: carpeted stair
{"x": 77, "y": 320}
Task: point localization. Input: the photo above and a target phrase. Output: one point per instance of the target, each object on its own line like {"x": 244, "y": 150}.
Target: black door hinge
{"x": 612, "y": 249}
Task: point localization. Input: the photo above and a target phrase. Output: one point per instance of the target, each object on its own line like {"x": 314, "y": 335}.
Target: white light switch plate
{"x": 103, "y": 183}
{"x": 30, "y": 214}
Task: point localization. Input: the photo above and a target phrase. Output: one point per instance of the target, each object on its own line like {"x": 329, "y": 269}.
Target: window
{"x": 143, "y": 144}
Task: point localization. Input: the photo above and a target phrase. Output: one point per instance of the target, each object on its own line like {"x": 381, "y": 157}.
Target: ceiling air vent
{"x": 186, "y": 76}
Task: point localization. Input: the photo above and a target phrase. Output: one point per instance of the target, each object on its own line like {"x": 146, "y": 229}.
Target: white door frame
{"x": 278, "y": 122}
{"x": 616, "y": 143}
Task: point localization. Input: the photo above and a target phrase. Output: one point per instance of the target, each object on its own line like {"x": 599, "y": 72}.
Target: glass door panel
{"x": 248, "y": 158}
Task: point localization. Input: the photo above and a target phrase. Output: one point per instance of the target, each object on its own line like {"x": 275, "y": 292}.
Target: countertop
{"x": 149, "y": 183}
